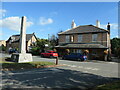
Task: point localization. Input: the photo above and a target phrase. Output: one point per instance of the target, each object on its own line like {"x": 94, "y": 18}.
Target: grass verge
{"x": 21, "y": 66}
{"x": 109, "y": 86}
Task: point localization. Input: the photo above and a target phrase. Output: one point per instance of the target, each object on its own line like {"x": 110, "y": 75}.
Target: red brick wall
{"x": 87, "y": 38}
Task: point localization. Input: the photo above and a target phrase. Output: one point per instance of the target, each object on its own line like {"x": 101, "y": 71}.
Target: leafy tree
{"x": 2, "y": 48}
{"x": 54, "y": 40}
{"x": 115, "y": 46}
{"x": 35, "y": 50}
{"x": 39, "y": 46}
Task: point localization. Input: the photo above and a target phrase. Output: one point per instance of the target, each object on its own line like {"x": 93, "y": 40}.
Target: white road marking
{"x": 80, "y": 66}
{"x": 73, "y": 66}
{"x": 87, "y": 68}
{"x": 86, "y": 71}
{"x": 64, "y": 64}
{"x": 112, "y": 62}
{"x": 95, "y": 69}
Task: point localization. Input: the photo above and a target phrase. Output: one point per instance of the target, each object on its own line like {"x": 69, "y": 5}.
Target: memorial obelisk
{"x": 22, "y": 45}
{"x": 22, "y": 56}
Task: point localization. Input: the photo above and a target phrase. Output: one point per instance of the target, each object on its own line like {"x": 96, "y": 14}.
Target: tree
{"x": 39, "y": 46}
{"x": 115, "y": 46}
{"x": 54, "y": 40}
{"x": 2, "y": 48}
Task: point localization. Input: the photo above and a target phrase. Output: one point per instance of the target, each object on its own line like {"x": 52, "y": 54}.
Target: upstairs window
{"x": 79, "y": 38}
{"x": 71, "y": 38}
{"x": 94, "y": 37}
{"x": 67, "y": 39}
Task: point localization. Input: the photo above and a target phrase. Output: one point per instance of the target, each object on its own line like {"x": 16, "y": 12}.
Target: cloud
{"x": 2, "y": 12}
{"x": 41, "y": 30}
{"x": 44, "y": 29}
{"x": 13, "y": 23}
{"x": 113, "y": 26}
{"x": 116, "y": 36}
{"x": 45, "y": 21}
{"x": 113, "y": 29}
{"x": 53, "y": 14}
{"x": 1, "y": 33}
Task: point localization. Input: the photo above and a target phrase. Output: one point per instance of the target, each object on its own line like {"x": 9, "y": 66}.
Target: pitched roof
{"x": 84, "y": 29}
{"x": 82, "y": 46}
{"x": 16, "y": 38}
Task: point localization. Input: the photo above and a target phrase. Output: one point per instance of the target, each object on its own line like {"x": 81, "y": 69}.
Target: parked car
{"x": 13, "y": 51}
{"x": 50, "y": 54}
{"x": 75, "y": 56}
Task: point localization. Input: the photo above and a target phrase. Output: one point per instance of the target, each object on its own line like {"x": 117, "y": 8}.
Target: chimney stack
{"x": 73, "y": 24}
{"x": 98, "y": 23}
{"x": 108, "y": 26}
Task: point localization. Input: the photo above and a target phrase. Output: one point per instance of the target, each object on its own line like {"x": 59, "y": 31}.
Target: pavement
{"x": 73, "y": 74}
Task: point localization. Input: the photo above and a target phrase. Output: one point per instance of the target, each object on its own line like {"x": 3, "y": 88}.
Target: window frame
{"x": 67, "y": 38}
{"x": 72, "y": 38}
{"x": 94, "y": 37}
{"x": 80, "y": 38}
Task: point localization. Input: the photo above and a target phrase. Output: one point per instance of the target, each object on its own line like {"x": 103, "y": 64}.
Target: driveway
{"x": 72, "y": 74}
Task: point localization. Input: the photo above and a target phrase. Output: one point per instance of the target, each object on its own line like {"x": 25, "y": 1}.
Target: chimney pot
{"x": 98, "y": 23}
{"x": 73, "y": 24}
{"x": 108, "y": 26}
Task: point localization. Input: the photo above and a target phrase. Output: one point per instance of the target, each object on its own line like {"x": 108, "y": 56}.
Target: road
{"x": 72, "y": 74}
{"x": 106, "y": 69}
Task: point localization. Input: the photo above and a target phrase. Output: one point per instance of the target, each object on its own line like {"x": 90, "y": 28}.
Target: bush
{"x": 35, "y": 51}
{"x": 2, "y": 48}
{"x": 115, "y": 46}
{"x": 118, "y": 52}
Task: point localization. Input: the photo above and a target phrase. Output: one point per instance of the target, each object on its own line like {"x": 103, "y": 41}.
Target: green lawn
{"x": 19, "y": 66}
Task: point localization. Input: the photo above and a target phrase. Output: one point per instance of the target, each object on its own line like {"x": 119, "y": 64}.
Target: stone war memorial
{"x": 22, "y": 56}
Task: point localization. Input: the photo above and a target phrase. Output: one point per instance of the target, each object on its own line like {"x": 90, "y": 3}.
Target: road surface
{"x": 73, "y": 74}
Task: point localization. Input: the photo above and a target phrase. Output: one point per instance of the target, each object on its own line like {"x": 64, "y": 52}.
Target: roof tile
{"x": 84, "y": 29}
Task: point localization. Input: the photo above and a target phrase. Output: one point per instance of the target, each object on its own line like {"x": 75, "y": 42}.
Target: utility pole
{"x": 48, "y": 39}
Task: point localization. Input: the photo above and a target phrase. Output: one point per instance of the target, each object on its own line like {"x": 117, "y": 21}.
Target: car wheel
{"x": 42, "y": 55}
{"x": 51, "y": 56}
{"x": 63, "y": 58}
{"x": 79, "y": 59}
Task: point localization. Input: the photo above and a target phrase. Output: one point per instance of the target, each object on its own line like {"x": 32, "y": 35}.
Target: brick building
{"x": 2, "y": 42}
{"x": 13, "y": 41}
{"x": 86, "y": 37}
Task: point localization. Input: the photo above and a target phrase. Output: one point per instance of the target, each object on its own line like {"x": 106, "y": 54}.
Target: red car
{"x": 50, "y": 54}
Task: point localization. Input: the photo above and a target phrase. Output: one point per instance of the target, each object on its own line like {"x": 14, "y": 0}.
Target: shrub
{"x": 2, "y": 48}
{"x": 35, "y": 50}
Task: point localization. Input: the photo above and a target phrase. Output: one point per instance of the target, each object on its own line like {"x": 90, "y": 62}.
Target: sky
{"x": 45, "y": 18}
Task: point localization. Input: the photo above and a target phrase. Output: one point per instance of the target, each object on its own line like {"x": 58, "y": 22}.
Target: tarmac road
{"x": 73, "y": 74}
{"x": 102, "y": 68}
